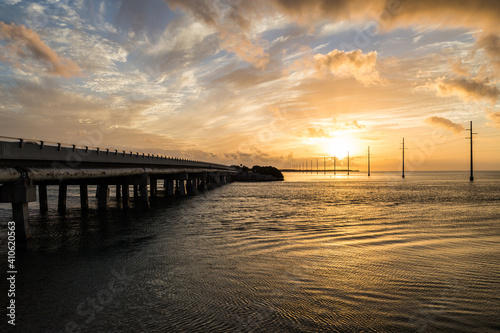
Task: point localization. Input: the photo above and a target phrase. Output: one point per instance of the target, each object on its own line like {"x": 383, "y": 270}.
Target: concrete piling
{"x": 103, "y": 197}
{"x": 144, "y": 190}
{"x": 42, "y": 198}
{"x": 61, "y": 203}
{"x": 170, "y": 187}
{"x": 125, "y": 195}
{"x": 84, "y": 197}
{"x": 153, "y": 186}
{"x": 136, "y": 191}
{"x": 202, "y": 186}
{"x": 182, "y": 188}
{"x": 19, "y": 194}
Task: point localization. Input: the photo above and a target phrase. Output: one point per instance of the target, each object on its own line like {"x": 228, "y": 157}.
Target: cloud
{"x": 233, "y": 25}
{"x": 240, "y": 23}
{"x": 459, "y": 68}
{"x": 495, "y": 117}
{"x": 346, "y": 64}
{"x": 26, "y": 44}
{"x": 491, "y": 44}
{"x": 395, "y": 13}
{"x": 317, "y": 133}
{"x": 468, "y": 89}
{"x": 445, "y": 123}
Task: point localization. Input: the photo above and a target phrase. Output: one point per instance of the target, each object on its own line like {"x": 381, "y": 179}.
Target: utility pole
{"x": 368, "y": 161}
{"x": 348, "y": 163}
{"x": 403, "y": 158}
{"x": 471, "y": 160}
{"x": 324, "y": 165}
{"x": 334, "y": 165}
{"x": 317, "y": 165}
{"x": 311, "y": 166}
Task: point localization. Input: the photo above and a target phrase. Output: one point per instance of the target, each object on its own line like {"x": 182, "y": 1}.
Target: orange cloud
{"x": 25, "y": 43}
{"x": 392, "y": 13}
{"x": 317, "y": 133}
{"x": 445, "y": 123}
{"x": 468, "y": 89}
{"x": 495, "y": 117}
{"x": 244, "y": 48}
{"x": 354, "y": 63}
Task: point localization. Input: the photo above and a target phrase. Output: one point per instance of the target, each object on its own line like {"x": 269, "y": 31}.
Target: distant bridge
{"x": 27, "y": 164}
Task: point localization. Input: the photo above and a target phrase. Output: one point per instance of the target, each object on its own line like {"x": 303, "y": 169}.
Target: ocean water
{"x": 315, "y": 253}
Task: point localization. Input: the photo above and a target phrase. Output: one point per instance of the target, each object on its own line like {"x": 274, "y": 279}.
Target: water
{"x": 314, "y": 253}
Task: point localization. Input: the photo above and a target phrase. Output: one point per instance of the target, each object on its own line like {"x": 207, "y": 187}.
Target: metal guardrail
{"x": 43, "y": 143}
{"x": 48, "y": 151}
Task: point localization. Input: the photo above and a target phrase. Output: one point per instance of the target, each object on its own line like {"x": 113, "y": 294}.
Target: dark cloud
{"x": 389, "y": 13}
{"x": 392, "y": 13}
{"x": 445, "y": 123}
{"x": 468, "y": 89}
{"x": 491, "y": 44}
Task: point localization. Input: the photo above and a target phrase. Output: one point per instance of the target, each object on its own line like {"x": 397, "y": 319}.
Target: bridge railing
{"x": 72, "y": 155}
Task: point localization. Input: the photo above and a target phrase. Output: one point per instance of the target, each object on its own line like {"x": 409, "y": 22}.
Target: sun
{"x": 339, "y": 147}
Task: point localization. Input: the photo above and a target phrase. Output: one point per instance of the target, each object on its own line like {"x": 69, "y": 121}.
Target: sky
{"x": 274, "y": 82}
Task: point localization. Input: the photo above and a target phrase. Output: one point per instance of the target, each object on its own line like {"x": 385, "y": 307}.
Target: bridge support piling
{"x": 21, "y": 216}
{"x": 118, "y": 191}
{"x": 103, "y": 197}
{"x": 125, "y": 195}
{"x": 181, "y": 184}
{"x": 170, "y": 187}
{"x": 176, "y": 187}
{"x": 144, "y": 190}
{"x": 182, "y": 188}
{"x": 214, "y": 180}
{"x": 191, "y": 185}
{"x": 153, "y": 186}
{"x": 19, "y": 194}
{"x": 136, "y": 191}
{"x": 84, "y": 197}
{"x": 202, "y": 186}
{"x": 42, "y": 197}
{"x": 61, "y": 203}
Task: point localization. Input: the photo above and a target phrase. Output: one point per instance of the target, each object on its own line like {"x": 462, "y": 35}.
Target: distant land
{"x": 258, "y": 174}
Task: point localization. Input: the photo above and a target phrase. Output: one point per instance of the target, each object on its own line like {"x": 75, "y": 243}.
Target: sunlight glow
{"x": 339, "y": 146}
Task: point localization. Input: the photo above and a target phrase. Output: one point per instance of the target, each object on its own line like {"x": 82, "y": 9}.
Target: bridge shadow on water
{"x": 99, "y": 230}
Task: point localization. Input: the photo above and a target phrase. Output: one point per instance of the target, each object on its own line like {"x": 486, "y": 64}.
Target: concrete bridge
{"x": 28, "y": 164}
